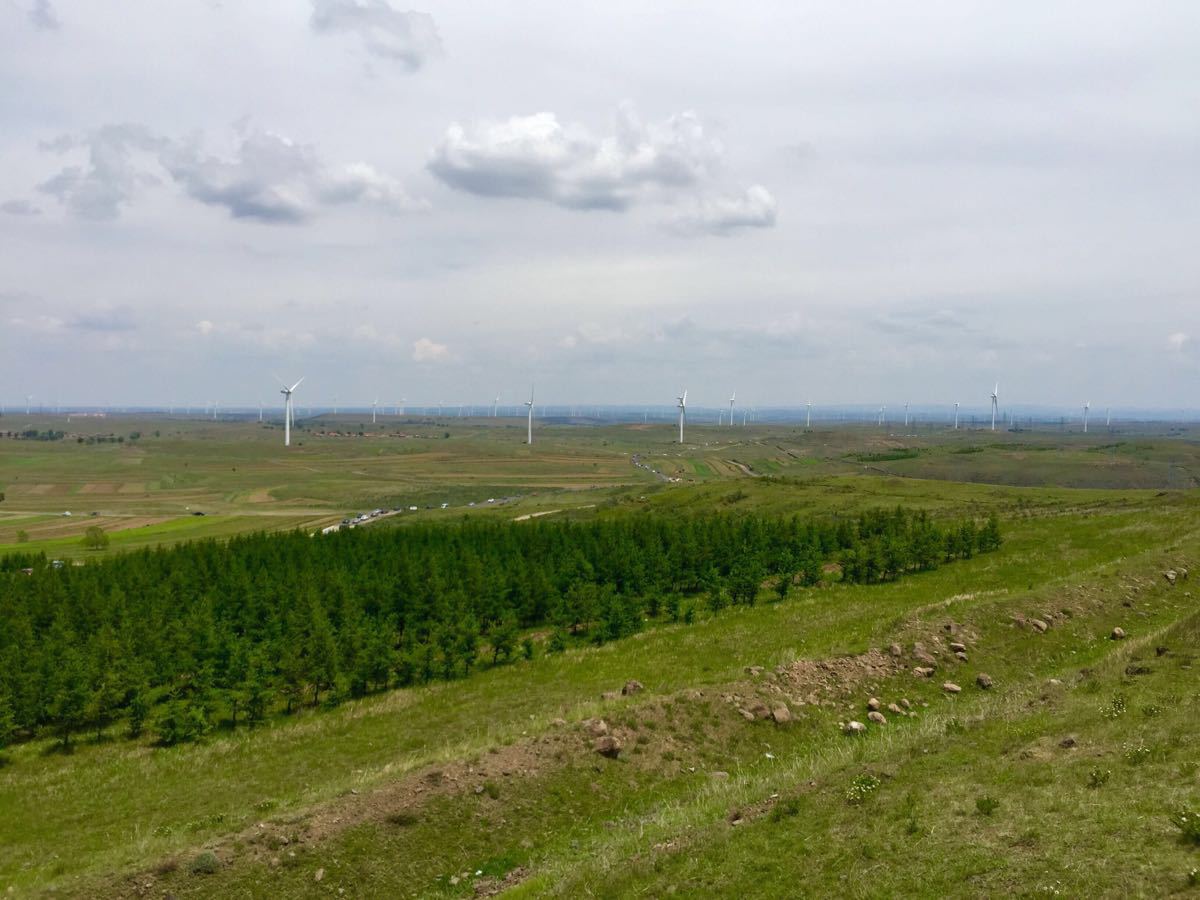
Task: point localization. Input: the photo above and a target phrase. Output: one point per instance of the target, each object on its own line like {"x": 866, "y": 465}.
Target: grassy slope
{"x": 123, "y": 805}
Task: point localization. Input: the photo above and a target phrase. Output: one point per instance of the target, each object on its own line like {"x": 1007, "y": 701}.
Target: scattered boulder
{"x": 895, "y": 709}
{"x": 895, "y": 651}
{"x": 960, "y": 656}
{"x": 1039, "y": 626}
{"x": 608, "y": 746}
{"x": 922, "y": 671}
{"x": 759, "y": 710}
{"x": 1170, "y": 576}
{"x": 984, "y": 680}
{"x": 781, "y": 714}
{"x": 951, "y": 688}
{"x": 746, "y": 714}
{"x": 318, "y": 875}
{"x": 854, "y": 728}
{"x": 874, "y": 705}
{"x": 904, "y": 702}
{"x": 632, "y": 687}
{"x": 1118, "y": 634}
{"x": 958, "y": 646}
{"x": 719, "y": 775}
{"x": 558, "y": 723}
{"x": 1068, "y": 742}
{"x": 876, "y": 717}
{"x": 754, "y": 670}
{"x": 596, "y": 727}
{"x": 921, "y": 655}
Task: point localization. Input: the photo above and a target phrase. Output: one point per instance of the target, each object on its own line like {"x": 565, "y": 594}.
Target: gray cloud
{"x": 754, "y": 208}
{"x": 99, "y": 190}
{"x": 408, "y": 38}
{"x": 269, "y": 178}
{"x": 42, "y": 16}
{"x": 535, "y": 157}
{"x": 19, "y": 208}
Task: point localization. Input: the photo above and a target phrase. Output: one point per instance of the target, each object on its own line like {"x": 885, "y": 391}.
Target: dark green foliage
{"x": 207, "y": 635}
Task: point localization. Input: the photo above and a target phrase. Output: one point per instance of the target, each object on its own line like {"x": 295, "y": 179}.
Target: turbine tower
{"x": 374, "y": 409}
{"x": 905, "y": 413}
{"x": 995, "y": 403}
{"x": 682, "y": 412}
{"x": 956, "y": 416}
{"x": 731, "y": 399}
{"x": 529, "y": 421}
{"x": 808, "y": 416}
{"x": 287, "y": 410}
{"x": 1108, "y": 417}
{"x": 496, "y": 406}
{"x": 1086, "y": 406}
{"x": 28, "y": 403}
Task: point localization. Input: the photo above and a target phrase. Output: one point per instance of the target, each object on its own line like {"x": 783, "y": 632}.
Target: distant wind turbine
{"x": 496, "y": 406}
{"x": 808, "y": 416}
{"x": 906, "y": 414}
{"x": 731, "y": 399}
{"x": 529, "y": 421}
{"x": 28, "y": 403}
{"x": 995, "y": 403}
{"x": 956, "y": 417}
{"x": 288, "y": 417}
{"x": 1108, "y": 417}
{"x": 682, "y": 412}
{"x": 1086, "y": 406}
{"x": 374, "y": 409}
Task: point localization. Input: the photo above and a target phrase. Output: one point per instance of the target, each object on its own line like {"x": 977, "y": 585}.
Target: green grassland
{"x": 1061, "y": 779}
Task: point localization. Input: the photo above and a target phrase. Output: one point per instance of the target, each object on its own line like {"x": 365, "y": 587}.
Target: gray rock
{"x": 895, "y": 650}
{"x": 854, "y": 728}
{"x": 895, "y": 709}
{"x": 984, "y": 680}
{"x": 632, "y": 687}
{"x": 922, "y": 671}
{"x": 951, "y": 688}
{"x": 1118, "y": 634}
{"x": 1039, "y": 626}
{"x": 596, "y": 727}
{"x": 874, "y": 705}
{"x": 608, "y": 745}
{"x": 958, "y": 646}
{"x": 960, "y": 656}
{"x": 876, "y": 717}
{"x": 781, "y": 714}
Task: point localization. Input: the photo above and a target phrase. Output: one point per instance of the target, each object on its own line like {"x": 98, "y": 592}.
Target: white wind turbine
{"x": 496, "y": 406}
{"x": 995, "y": 403}
{"x": 529, "y": 421}
{"x": 28, "y": 403}
{"x": 956, "y": 416}
{"x": 882, "y": 413}
{"x": 682, "y": 413}
{"x": 288, "y": 415}
{"x": 905, "y": 413}
{"x": 731, "y": 399}
{"x": 808, "y": 416}
{"x": 1086, "y": 406}
{"x": 374, "y": 409}
{"x": 1108, "y": 417}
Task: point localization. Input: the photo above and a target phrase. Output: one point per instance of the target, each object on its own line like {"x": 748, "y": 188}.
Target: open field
{"x": 1060, "y": 779}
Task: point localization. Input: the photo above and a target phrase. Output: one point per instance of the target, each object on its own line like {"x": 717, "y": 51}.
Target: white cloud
{"x": 43, "y": 16}
{"x": 204, "y": 326}
{"x": 426, "y": 350}
{"x": 268, "y": 177}
{"x": 536, "y": 157}
{"x": 407, "y": 38}
{"x": 754, "y": 208}
{"x": 1177, "y": 342}
{"x": 19, "y": 208}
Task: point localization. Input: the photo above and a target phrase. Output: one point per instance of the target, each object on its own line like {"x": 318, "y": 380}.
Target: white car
{"x": 412, "y": 509}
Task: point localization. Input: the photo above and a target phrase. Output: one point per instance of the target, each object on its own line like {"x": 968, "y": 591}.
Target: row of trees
{"x": 182, "y": 639}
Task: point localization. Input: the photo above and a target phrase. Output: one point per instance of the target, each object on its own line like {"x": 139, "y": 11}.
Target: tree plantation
{"x": 178, "y": 641}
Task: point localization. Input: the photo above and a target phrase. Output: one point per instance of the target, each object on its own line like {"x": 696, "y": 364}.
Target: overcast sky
{"x": 843, "y": 201}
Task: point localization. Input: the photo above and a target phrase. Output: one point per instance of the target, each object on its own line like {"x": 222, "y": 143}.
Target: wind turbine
{"x": 905, "y": 413}
{"x": 28, "y": 403}
{"x": 808, "y": 416}
{"x": 496, "y": 406}
{"x": 995, "y": 403}
{"x": 882, "y": 413}
{"x": 682, "y": 412}
{"x": 260, "y": 410}
{"x": 731, "y": 399}
{"x": 374, "y": 408}
{"x": 1108, "y": 417}
{"x": 529, "y": 422}
{"x": 1086, "y": 406}
{"x": 956, "y": 416}
{"x": 287, "y": 410}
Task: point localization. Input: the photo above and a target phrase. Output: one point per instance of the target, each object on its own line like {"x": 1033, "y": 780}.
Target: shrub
{"x": 1135, "y": 756}
{"x": 1115, "y": 709}
{"x": 985, "y": 806}
{"x": 1098, "y": 777}
{"x": 1188, "y": 823}
{"x": 862, "y": 787}
{"x": 491, "y": 789}
{"x": 22, "y": 536}
{"x": 785, "y": 809}
{"x": 94, "y": 538}
{"x": 204, "y": 864}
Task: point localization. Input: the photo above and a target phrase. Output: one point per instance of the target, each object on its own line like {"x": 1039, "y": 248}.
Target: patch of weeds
{"x": 862, "y": 787}
{"x": 492, "y": 789}
{"x": 911, "y": 825}
{"x": 499, "y": 866}
{"x": 985, "y": 805}
{"x": 1136, "y": 755}
{"x": 668, "y": 756}
{"x": 955, "y": 726}
{"x": 162, "y": 830}
{"x": 1115, "y": 708}
{"x": 1193, "y": 878}
{"x": 206, "y": 822}
{"x": 402, "y": 819}
{"x": 1097, "y": 778}
{"x": 1188, "y": 769}
{"x": 265, "y": 805}
{"x": 785, "y": 809}
{"x": 1150, "y": 710}
{"x": 204, "y": 864}
{"x": 1188, "y": 823}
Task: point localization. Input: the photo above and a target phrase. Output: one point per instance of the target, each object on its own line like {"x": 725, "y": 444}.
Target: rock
{"x": 922, "y": 671}
{"x": 895, "y": 709}
{"x": 958, "y": 647}
{"x": 960, "y": 656}
{"x": 632, "y": 687}
{"x": 759, "y": 710}
{"x": 596, "y": 727}
{"x": 719, "y": 775}
{"x": 951, "y": 688}
{"x": 1055, "y": 682}
{"x": 1170, "y": 576}
{"x": 876, "y": 717}
{"x": 318, "y": 875}
{"x": 904, "y": 702}
{"x": 984, "y": 680}
{"x": 874, "y": 705}
{"x": 854, "y": 728}
{"x": 781, "y": 714}
{"x": 607, "y": 746}
{"x": 895, "y": 651}
{"x": 1118, "y": 634}
{"x": 753, "y": 670}
{"x": 1068, "y": 742}
{"x": 746, "y": 714}
{"x": 921, "y": 655}
{"x": 1039, "y": 626}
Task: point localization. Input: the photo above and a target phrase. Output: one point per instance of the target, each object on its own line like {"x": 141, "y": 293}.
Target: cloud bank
{"x": 409, "y": 39}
